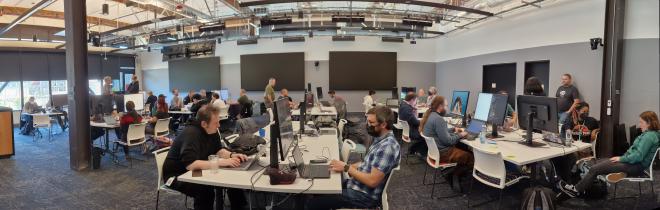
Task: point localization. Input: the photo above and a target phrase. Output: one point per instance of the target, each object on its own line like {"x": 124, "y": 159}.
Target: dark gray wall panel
{"x": 110, "y": 66}
{"x": 94, "y": 66}
{"x": 287, "y": 68}
{"x": 363, "y": 70}
{"x": 195, "y": 73}
{"x": 57, "y": 66}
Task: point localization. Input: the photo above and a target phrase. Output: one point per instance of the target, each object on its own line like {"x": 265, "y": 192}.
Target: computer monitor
{"x": 497, "y": 113}
{"x": 224, "y": 94}
{"x": 281, "y": 132}
{"x": 537, "y": 114}
{"x": 303, "y": 114}
{"x": 137, "y": 99}
{"x": 309, "y": 98}
{"x": 119, "y": 102}
{"x": 116, "y": 85}
{"x": 459, "y": 102}
{"x": 405, "y": 90}
{"x": 309, "y": 87}
{"x": 319, "y": 92}
{"x": 395, "y": 92}
{"x": 483, "y": 106}
{"x": 59, "y": 100}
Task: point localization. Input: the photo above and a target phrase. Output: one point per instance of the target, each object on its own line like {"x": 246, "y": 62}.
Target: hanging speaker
{"x": 106, "y": 9}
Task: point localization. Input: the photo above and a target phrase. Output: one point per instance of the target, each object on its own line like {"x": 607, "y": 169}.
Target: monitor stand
{"x": 494, "y": 134}
{"x": 530, "y": 130}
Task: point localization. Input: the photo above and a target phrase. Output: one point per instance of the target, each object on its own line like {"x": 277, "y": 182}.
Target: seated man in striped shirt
{"x": 367, "y": 182}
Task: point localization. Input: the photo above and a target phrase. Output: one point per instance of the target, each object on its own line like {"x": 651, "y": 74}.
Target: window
{"x": 10, "y": 92}
{"x": 58, "y": 87}
{"x": 37, "y": 89}
{"x": 95, "y": 86}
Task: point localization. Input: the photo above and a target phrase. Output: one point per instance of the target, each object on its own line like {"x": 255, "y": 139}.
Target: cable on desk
{"x": 252, "y": 181}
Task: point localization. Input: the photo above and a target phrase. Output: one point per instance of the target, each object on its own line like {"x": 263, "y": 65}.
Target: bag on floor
{"x": 538, "y": 198}
{"x": 597, "y": 190}
{"x": 547, "y": 174}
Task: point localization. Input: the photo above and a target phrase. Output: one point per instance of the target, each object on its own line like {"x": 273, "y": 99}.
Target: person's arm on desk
{"x": 226, "y": 154}
{"x": 372, "y": 179}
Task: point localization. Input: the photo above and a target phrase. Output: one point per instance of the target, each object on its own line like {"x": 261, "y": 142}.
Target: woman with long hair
{"x": 534, "y": 86}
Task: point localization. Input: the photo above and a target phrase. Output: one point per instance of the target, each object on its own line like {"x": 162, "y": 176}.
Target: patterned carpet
{"x": 38, "y": 177}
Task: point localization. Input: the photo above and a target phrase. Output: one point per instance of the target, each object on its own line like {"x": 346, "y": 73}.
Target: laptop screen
{"x": 475, "y": 126}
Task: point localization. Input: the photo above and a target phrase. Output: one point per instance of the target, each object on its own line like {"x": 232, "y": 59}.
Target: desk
{"x": 106, "y": 128}
{"x": 316, "y": 111}
{"x": 180, "y": 112}
{"x": 241, "y": 179}
{"x": 60, "y": 121}
{"x": 420, "y": 110}
{"x": 520, "y": 154}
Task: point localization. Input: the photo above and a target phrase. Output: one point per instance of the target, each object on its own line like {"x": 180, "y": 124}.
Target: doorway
{"x": 541, "y": 70}
{"x": 500, "y": 77}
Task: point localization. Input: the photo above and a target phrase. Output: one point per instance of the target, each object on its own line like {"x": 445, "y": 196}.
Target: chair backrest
{"x": 433, "y": 151}
{"x": 162, "y": 127}
{"x": 655, "y": 156}
{"x": 224, "y": 112}
{"x": 160, "y": 156}
{"x": 384, "y": 203}
{"x": 489, "y": 167}
{"x": 594, "y": 142}
{"x": 405, "y": 127}
{"x": 43, "y": 120}
{"x": 340, "y": 127}
{"x": 346, "y": 148}
{"x": 135, "y": 134}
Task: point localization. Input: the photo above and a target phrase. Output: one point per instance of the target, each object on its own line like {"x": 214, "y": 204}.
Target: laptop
{"x": 325, "y": 103}
{"x": 474, "y": 129}
{"x": 309, "y": 171}
{"x": 110, "y": 120}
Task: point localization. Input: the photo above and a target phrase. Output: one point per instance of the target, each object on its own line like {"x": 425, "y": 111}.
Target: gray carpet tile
{"x": 39, "y": 177}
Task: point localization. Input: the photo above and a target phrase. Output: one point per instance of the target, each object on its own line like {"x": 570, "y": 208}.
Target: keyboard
{"x": 245, "y": 165}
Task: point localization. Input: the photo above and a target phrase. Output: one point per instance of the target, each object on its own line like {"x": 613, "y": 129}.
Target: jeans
{"x": 605, "y": 166}
{"x": 349, "y": 198}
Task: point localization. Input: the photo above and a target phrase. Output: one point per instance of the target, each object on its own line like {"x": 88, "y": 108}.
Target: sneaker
{"x": 567, "y": 189}
{"x": 615, "y": 177}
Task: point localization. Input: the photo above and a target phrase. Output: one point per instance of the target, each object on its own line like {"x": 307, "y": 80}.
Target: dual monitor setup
{"x": 537, "y": 113}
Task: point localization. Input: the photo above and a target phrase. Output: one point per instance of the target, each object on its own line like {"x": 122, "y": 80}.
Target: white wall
{"x": 556, "y": 22}
{"x": 416, "y": 66}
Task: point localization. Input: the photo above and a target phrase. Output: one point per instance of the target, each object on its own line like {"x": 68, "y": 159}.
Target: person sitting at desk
{"x": 246, "y": 104}
{"x": 422, "y": 99}
{"x": 368, "y": 101}
{"x": 284, "y": 93}
{"x": 30, "y": 107}
{"x": 188, "y": 98}
{"x": 161, "y": 113}
{"x": 176, "y": 103}
{"x": 434, "y": 125}
{"x": 190, "y": 152}
{"x": 217, "y": 102}
{"x": 638, "y": 158}
{"x": 367, "y": 182}
{"x": 582, "y": 126}
{"x": 202, "y": 92}
{"x": 339, "y": 103}
{"x": 197, "y": 103}
{"x": 408, "y": 113}
{"x": 534, "y": 87}
{"x": 433, "y": 92}
{"x": 130, "y": 117}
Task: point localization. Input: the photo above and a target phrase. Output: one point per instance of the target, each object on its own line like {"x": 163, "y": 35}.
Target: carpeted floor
{"x": 39, "y": 177}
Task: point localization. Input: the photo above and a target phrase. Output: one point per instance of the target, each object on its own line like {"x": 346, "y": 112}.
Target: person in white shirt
{"x": 368, "y": 101}
{"x": 176, "y": 103}
{"x": 217, "y": 102}
{"x": 432, "y": 93}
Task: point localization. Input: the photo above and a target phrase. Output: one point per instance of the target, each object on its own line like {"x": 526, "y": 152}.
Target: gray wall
{"x": 575, "y": 58}
{"x": 409, "y": 74}
{"x": 641, "y": 79}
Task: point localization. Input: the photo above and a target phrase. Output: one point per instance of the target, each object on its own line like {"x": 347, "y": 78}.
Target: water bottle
{"x": 569, "y": 137}
{"x": 482, "y": 135}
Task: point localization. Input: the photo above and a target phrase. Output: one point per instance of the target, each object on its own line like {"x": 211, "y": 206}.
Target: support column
{"x": 75, "y": 22}
{"x": 611, "y": 83}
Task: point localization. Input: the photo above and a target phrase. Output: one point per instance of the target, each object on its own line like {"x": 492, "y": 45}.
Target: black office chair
{"x": 234, "y": 111}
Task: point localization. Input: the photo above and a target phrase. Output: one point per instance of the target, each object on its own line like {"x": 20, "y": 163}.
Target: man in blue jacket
{"x": 408, "y": 113}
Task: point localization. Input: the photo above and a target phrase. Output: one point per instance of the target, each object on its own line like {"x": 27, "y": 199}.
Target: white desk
{"x": 316, "y": 111}
{"x": 180, "y": 112}
{"x": 520, "y": 154}
{"x": 420, "y": 110}
{"x": 241, "y": 179}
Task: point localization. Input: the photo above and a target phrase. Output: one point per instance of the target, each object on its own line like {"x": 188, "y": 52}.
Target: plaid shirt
{"x": 384, "y": 155}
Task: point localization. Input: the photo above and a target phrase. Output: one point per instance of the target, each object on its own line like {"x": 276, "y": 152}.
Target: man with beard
{"x": 364, "y": 188}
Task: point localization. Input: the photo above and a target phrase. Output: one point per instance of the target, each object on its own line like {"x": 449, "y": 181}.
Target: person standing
{"x": 151, "y": 101}
{"x": 567, "y": 97}
{"x": 339, "y": 103}
{"x": 269, "y": 92}
{"x": 368, "y": 101}
{"x": 134, "y": 87}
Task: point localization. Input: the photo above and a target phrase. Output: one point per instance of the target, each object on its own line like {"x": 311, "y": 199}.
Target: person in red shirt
{"x": 130, "y": 117}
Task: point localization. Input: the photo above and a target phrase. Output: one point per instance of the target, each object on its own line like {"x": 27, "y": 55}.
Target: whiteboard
{"x": 138, "y": 100}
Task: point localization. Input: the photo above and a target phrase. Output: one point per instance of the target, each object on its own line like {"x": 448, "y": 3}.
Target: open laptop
{"x": 245, "y": 165}
{"x": 110, "y": 120}
{"x": 309, "y": 171}
{"x": 474, "y": 129}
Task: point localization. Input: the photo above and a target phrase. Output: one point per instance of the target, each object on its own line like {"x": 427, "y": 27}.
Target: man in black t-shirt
{"x": 190, "y": 152}
{"x": 567, "y": 97}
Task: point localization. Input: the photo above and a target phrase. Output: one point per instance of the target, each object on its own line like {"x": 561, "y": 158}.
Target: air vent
{"x": 293, "y": 39}
{"x": 343, "y": 38}
{"x": 392, "y": 39}
{"x": 246, "y": 41}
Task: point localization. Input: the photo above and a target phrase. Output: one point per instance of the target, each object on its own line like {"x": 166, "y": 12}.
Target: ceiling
{"x": 244, "y": 21}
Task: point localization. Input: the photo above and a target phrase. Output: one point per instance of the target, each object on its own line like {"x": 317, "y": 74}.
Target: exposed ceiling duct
{"x": 38, "y": 6}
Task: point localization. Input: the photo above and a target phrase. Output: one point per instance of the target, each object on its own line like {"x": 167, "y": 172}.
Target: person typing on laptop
{"x": 190, "y": 152}
{"x": 367, "y": 182}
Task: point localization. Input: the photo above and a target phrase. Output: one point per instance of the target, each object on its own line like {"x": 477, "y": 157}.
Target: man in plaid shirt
{"x": 367, "y": 182}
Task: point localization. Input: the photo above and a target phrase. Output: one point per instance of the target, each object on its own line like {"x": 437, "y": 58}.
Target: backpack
{"x": 245, "y": 144}
{"x": 538, "y": 198}
{"x": 547, "y": 174}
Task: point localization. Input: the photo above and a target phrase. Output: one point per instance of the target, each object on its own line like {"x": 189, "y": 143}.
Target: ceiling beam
{"x": 6, "y": 10}
{"x": 427, "y": 3}
{"x": 25, "y": 15}
{"x": 139, "y": 24}
{"x": 232, "y": 4}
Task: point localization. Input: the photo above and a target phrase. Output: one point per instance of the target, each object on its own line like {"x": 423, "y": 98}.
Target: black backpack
{"x": 547, "y": 175}
{"x": 538, "y": 198}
